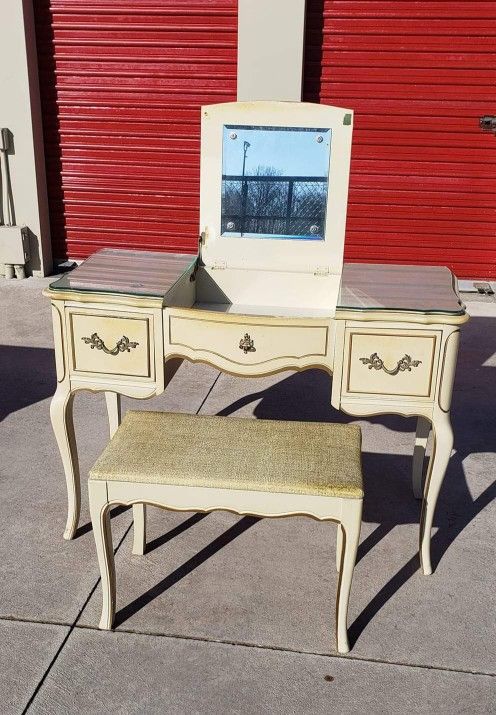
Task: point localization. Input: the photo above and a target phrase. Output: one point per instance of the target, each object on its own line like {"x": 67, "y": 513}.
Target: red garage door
{"x": 122, "y": 82}
{"x": 418, "y": 75}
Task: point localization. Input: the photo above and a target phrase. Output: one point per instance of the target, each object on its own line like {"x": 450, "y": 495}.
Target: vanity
{"x": 268, "y": 291}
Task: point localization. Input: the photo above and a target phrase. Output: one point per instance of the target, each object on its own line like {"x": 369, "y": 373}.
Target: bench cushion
{"x": 230, "y": 453}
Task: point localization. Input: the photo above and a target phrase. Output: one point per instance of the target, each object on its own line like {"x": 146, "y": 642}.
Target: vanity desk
{"x": 267, "y": 292}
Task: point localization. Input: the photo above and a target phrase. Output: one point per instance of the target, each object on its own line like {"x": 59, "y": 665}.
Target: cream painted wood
{"x": 247, "y": 344}
{"x": 274, "y": 254}
{"x": 113, "y": 386}
{"x": 346, "y": 512}
{"x": 61, "y": 414}
{"x": 421, "y": 437}
{"x": 114, "y": 330}
{"x": 113, "y": 401}
{"x": 435, "y": 411}
{"x": 389, "y": 350}
{"x": 272, "y": 293}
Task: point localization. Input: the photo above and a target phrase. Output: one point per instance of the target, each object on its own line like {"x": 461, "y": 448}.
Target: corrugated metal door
{"x": 418, "y": 75}
{"x": 122, "y": 82}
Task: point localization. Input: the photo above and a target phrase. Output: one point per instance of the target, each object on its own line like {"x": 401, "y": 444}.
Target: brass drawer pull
{"x": 375, "y": 362}
{"x": 123, "y": 345}
{"x": 246, "y": 344}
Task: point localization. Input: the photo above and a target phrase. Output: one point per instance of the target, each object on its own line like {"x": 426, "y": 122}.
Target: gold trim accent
{"x": 150, "y": 338}
{"x": 124, "y": 345}
{"x": 264, "y": 373}
{"x": 130, "y": 301}
{"x": 441, "y": 378}
{"x": 59, "y": 344}
{"x": 389, "y": 316}
{"x": 376, "y": 363}
{"x": 351, "y": 332}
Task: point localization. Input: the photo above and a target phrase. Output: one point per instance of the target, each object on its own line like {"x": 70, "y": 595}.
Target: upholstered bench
{"x": 265, "y": 468}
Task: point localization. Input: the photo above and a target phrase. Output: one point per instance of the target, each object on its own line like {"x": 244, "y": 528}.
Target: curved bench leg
{"x": 441, "y": 453}
{"x": 351, "y": 520}
{"x": 100, "y": 519}
{"x": 339, "y": 547}
{"x": 421, "y": 436}
{"x": 63, "y": 427}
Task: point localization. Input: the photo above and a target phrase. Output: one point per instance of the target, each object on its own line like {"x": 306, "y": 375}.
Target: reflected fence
{"x": 274, "y": 205}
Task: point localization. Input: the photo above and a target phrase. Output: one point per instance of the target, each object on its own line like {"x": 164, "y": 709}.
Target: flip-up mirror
{"x": 274, "y": 182}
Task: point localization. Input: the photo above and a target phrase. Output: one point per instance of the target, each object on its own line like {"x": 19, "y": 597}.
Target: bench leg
{"x": 113, "y": 400}
{"x": 100, "y": 519}
{"x": 351, "y": 519}
{"x": 339, "y": 547}
{"x": 421, "y": 436}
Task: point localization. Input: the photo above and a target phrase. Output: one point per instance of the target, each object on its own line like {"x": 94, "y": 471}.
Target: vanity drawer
{"x": 247, "y": 341}
{"x": 111, "y": 343}
{"x": 390, "y": 362}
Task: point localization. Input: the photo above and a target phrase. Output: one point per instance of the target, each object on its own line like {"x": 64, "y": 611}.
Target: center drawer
{"x": 229, "y": 341}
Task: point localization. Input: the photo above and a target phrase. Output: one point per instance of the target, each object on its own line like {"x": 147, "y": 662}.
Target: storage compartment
{"x": 246, "y": 341}
{"x": 390, "y": 362}
{"x": 111, "y": 343}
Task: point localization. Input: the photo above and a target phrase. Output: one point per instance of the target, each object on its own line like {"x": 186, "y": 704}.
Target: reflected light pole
{"x": 244, "y": 188}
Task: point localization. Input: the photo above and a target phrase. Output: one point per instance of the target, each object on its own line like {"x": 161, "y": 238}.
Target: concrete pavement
{"x": 234, "y": 615}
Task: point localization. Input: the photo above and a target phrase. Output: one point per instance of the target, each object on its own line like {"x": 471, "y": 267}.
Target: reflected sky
{"x": 291, "y": 151}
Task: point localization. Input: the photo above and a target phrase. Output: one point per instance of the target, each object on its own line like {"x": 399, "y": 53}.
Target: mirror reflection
{"x": 274, "y": 182}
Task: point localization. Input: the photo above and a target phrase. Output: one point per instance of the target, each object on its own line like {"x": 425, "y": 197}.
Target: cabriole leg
{"x": 421, "y": 436}
{"x": 61, "y": 414}
{"x": 100, "y": 519}
{"x": 351, "y": 520}
{"x": 441, "y": 453}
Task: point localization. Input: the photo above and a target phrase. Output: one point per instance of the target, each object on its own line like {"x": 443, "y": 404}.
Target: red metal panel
{"x": 418, "y": 75}
{"x": 122, "y": 82}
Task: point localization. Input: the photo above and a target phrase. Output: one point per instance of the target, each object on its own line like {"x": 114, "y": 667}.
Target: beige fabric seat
{"x": 261, "y": 455}
{"x": 265, "y": 468}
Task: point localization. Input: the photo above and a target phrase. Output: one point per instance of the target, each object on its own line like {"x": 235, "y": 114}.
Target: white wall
{"x": 20, "y": 112}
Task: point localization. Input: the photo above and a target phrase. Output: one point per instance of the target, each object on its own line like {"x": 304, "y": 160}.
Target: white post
{"x": 20, "y": 112}
{"x": 270, "y": 49}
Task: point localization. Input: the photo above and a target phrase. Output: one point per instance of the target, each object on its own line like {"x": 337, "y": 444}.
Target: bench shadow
{"x": 306, "y": 396}
{"x": 197, "y": 560}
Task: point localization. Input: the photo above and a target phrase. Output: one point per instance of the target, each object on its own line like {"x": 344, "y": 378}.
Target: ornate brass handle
{"x": 246, "y": 344}
{"x": 123, "y": 345}
{"x": 375, "y": 362}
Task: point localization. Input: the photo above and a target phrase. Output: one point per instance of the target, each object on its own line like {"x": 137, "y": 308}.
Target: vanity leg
{"x": 339, "y": 547}
{"x": 113, "y": 400}
{"x": 63, "y": 427}
{"x": 421, "y": 436}
{"x": 441, "y": 453}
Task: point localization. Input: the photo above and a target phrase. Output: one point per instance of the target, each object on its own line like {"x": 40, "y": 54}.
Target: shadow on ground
{"x": 28, "y": 376}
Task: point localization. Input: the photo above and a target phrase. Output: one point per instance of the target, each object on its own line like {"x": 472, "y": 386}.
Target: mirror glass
{"x": 274, "y": 182}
